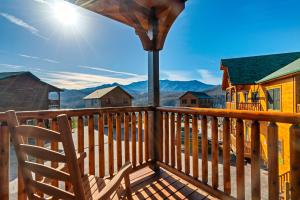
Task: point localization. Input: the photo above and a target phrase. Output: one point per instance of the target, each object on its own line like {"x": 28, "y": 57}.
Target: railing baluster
{"x": 204, "y": 149}
{"x": 101, "y": 145}
{"x": 91, "y": 145}
{"x": 295, "y": 161}
{"x": 68, "y": 185}
{"x": 4, "y": 161}
{"x": 178, "y": 141}
{"x": 119, "y": 142}
{"x": 214, "y": 152}
{"x": 161, "y": 136}
{"x": 255, "y": 161}
{"x": 166, "y": 132}
{"x": 140, "y": 137}
{"x": 195, "y": 146}
{"x": 54, "y": 147}
{"x": 273, "y": 161}
{"x": 240, "y": 170}
{"x": 126, "y": 137}
{"x": 80, "y": 139}
{"x": 187, "y": 143}
{"x": 226, "y": 155}
{"x": 172, "y": 134}
{"x": 146, "y": 136}
{"x": 133, "y": 139}
{"x": 110, "y": 144}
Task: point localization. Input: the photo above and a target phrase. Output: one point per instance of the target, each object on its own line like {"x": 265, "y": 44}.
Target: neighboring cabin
{"x": 108, "y": 97}
{"x": 264, "y": 83}
{"x": 23, "y": 91}
{"x": 196, "y": 99}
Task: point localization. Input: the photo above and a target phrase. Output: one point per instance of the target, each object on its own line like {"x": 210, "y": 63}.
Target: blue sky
{"x": 95, "y": 50}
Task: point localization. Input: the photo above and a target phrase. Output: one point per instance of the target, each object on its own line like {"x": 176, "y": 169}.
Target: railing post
{"x": 255, "y": 160}
{"x": 273, "y": 179}
{"x": 226, "y": 155}
{"x": 4, "y": 161}
{"x": 240, "y": 169}
{"x": 295, "y": 161}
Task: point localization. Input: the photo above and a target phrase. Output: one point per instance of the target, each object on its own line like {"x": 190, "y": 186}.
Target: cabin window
{"x": 246, "y": 96}
{"x": 238, "y": 98}
{"x": 273, "y": 99}
{"x": 255, "y": 97}
{"x": 193, "y": 101}
{"x": 281, "y": 152}
{"x": 184, "y": 101}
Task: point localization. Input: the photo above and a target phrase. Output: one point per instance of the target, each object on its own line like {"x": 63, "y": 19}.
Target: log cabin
{"x": 108, "y": 97}
{"x": 196, "y": 99}
{"x": 269, "y": 83}
{"x": 23, "y": 91}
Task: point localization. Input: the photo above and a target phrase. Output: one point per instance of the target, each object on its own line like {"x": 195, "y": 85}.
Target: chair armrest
{"x": 115, "y": 182}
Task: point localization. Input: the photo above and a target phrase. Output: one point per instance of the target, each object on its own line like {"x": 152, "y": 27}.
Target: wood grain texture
{"x": 126, "y": 137}
{"x": 195, "y": 146}
{"x": 240, "y": 169}
{"x": 187, "y": 143}
{"x": 255, "y": 161}
{"x": 166, "y": 139}
{"x": 146, "y": 136}
{"x": 140, "y": 137}
{"x": 173, "y": 139}
{"x": 110, "y": 145}
{"x": 133, "y": 139}
{"x": 91, "y": 129}
{"x": 214, "y": 152}
{"x": 178, "y": 141}
{"x": 101, "y": 148}
{"x": 204, "y": 142}
{"x": 119, "y": 142}
{"x": 4, "y": 162}
{"x": 294, "y": 161}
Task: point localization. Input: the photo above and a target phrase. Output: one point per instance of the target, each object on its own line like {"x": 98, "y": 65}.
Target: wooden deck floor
{"x": 163, "y": 185}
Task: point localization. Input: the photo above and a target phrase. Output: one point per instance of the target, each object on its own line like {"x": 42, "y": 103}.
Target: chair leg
{"x": 127, "y": 187}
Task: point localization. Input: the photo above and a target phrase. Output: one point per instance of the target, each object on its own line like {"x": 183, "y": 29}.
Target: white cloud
{"x": 177, "y": 75}
{"x": 27, "y": 56}
{"x": 108, "y": 70}
{"x": 51, "y": 60}
{"x": 10, "y": 66}
{"x": 74, "y": 80}
{"x": 41, "y": 1}
{"x": 23, "y": 24}
{"x": 207, "y": 77}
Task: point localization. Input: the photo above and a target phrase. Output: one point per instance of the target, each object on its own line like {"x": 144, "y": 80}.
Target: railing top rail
{"x": 281, "y": 117}
{"x": 47, "y": 114}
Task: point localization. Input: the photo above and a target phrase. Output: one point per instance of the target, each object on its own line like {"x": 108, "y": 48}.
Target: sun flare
{"x": 65, "y": 13}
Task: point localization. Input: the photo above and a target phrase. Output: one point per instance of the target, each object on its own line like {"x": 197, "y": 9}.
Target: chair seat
{"x": 93, "y": 185}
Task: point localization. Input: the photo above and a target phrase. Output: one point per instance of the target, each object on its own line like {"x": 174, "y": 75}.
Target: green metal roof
{"x": 250, "y": 70}
{"x": 199, "y": 95}
{"x": 289, "y": 69}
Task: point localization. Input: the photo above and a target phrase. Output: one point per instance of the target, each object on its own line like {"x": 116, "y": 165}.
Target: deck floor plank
{"x": 146, "y": 184}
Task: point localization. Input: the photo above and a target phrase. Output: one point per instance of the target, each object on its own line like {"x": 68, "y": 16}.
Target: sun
{"x": 65, "y": 13}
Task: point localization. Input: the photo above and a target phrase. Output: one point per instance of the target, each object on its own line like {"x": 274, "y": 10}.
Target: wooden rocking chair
{"x": 83, "y": 187}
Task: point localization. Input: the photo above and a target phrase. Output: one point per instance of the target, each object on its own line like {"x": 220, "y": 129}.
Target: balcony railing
{"x": 298, "y": 108}
{"x": 249, "y": 106}
{"x": 129, "y": 138}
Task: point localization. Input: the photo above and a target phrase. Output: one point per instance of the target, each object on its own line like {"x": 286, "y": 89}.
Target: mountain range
{"x": 170, "y": 92}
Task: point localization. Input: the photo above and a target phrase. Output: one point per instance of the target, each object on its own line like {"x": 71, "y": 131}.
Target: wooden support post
{"x": 226, "y": 155}
{"x": 172, "y": 133}
{"x": 295, "y": 161}
{"x": 255, "y": 161}
{"x": 240, "y": 169}
{"x": 54, "y": 147}
{"x": 146, "y": 136}
{"x": 110, "y": 145}
{"x": 187, "y": 144}
{"x": 133, "y": 139}
{"x": 140, "y": 137}
{"x": 166, "y": 133}
{"x": 80, "y": 139}
{"x": 153, "y": 90}
{"x": 119, "y": 142}
{"x": 178, "y": 141}
{"x": 126, "y": 137}
{"x": 4, "y": 161}
{"x": 273, "y": 179}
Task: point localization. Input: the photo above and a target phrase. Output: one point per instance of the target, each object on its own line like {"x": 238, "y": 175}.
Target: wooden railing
{"x": 179, "y": 157}
{"x": 247, "y": 146}
{"x": 249, "y": 106}
{"x": 283, "y": 178}
{"x": 298, "y": 108}
{"x": 185, "y": 163}
{"x": 109, "y": 123}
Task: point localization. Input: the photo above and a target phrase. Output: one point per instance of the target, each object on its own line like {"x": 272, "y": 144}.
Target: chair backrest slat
{"x": 42, "y": 153}
{"x": 46, "y": 171}
{"x": 38, "y": 133}
{"x": 71, "y": 156}
{"x": 55, "y": 192}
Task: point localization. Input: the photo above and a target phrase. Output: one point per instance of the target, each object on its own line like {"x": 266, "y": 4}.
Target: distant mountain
{"x": 170, "y": 91}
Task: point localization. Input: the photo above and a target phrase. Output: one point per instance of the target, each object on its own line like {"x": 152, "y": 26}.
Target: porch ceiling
{"x": 140, "y": 15}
